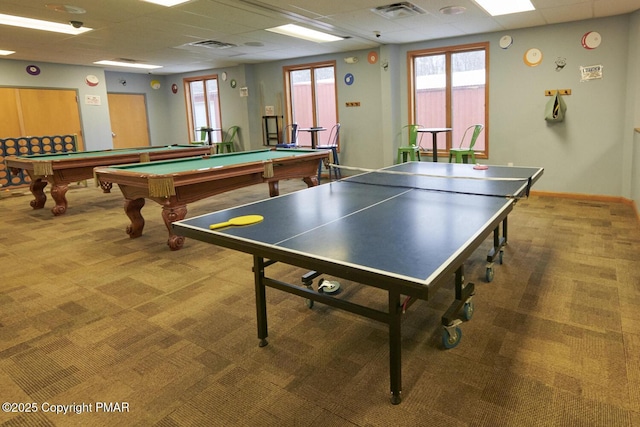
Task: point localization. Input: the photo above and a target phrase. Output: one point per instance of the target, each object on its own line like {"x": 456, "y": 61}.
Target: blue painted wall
{"x": 595, "y": 151}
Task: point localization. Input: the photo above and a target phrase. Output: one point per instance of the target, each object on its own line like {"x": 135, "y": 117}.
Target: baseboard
{"x": 590, "y": 197}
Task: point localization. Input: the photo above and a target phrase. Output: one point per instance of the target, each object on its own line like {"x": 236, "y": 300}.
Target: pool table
{"x": 61, "y": 169}
{"x": 174, "y": 183}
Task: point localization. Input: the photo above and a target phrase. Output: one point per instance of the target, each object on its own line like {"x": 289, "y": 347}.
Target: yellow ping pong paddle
{"x": 237, "y": 221}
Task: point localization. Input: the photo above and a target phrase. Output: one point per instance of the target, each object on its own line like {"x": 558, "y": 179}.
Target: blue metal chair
{"x": 290, "y": 132}
{"x": 333, "y": 146}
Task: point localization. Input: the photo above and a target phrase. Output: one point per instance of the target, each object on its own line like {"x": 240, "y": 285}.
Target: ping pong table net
{"x": 480, "y": 184}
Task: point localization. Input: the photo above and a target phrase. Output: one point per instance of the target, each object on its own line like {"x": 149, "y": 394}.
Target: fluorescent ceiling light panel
{"x": 167, "y": 3}
{"x": 505, "y": 7}
{"x": 297, "y": 31}
{"x": 128, "y": 64}
{"x": 37, "y": 24}
{"x": 6, "y": 52}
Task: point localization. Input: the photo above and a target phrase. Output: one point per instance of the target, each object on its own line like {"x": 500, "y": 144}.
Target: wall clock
{"x": 348, "y": 79}
{"x": 506, "y": 41}
{"x": 591, "y": 40}
{"x": 533, "y": 57}
{"x": 224, "y": 76}
{"x": 233, "y": 83}
{"x": 33, "y": 70}
{"x": 91, "y": 80}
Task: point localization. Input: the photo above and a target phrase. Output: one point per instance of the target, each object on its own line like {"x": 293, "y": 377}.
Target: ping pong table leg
{"x": 451, "y": 334}
{"x": 395, "y": 347}
{"x": 497, "y": 251}
{"x": 261, "y": 300}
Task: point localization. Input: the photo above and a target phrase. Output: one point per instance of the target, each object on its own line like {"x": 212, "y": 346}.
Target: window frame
{"x": 287, "y": 69}
{"x": 448, "y": 51}
{"x": 186, "y": 82}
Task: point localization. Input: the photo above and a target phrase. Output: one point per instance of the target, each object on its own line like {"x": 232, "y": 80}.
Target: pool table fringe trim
{"x": 161, "y": 186}
{"x": 43, "y": 168}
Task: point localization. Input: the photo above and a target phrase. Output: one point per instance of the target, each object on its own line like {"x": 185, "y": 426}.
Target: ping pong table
{"x": 404, "y": 230}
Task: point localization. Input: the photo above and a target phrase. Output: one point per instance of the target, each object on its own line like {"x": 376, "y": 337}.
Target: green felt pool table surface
{"x": 61, "y": 169}
{"x": 206, "y": 162}
{"x": 48, "y": 157}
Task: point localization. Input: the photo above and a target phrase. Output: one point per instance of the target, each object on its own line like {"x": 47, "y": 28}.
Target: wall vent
{"x": 403, "y": 9}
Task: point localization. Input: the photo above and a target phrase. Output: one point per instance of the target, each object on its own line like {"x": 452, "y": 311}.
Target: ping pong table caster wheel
{"x": 468, "y": 309}
{"x": 451, "y": 335}
{"x": 489, "y": 275}
{"x": 309, "y": 303}
{"x": 500, "y": 255}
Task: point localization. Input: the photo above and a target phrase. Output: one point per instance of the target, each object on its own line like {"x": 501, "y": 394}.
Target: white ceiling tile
{"x": 133, "y": 28}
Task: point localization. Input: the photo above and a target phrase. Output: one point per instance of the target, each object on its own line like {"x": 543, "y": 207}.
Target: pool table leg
{"x": 311, "y": 181}
{"x": 58, "y": 192}
{"x": 106, "y": 186}
{"x": 171, "y": 214}
{"x": 274, "y": 189}
{"x": 37, "y": 189}
{"x": 132, "y": 208}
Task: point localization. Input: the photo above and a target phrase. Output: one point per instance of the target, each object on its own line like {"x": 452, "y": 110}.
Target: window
{"x": 203, "y": 106}
{"x": 311, "y": 99}
{"x": 448, "y": 88}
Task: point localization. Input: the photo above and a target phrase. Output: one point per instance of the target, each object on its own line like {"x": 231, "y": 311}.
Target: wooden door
{"x": 9, "y": 116}
{"x": 129, "y": 126}
{"x": 39, "y": 112}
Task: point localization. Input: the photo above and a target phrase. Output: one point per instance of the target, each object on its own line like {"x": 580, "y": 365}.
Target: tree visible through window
{"x": 311, "y": 99}
{"x": 203, "y": 107}
{"x": 449, "y": 89}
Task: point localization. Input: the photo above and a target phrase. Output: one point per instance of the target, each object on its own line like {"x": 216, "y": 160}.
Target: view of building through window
{"x": 204, "y": 107}
{"x": 449, "y": 89}
{"x": 311, "y": 100}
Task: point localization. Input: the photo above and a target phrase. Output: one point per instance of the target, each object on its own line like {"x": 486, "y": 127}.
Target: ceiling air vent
{"x": 398, "y": 10}
{"x": 212, "y": 44}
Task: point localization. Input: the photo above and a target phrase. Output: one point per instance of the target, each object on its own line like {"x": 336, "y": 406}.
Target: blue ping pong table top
{"x": 406, "y": 234}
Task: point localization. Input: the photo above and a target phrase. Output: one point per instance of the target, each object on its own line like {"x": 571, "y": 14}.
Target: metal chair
{"x": 333, "y": 157}
{"x": 290, "y": 133}
{"x": 462, "y": 154}
{"x": 203, "y": 136}
{"x": 411, "y": 151}
{"x": 227, "y": 144}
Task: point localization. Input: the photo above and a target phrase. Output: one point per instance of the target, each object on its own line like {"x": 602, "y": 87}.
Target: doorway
{"x": 129, "y": 125}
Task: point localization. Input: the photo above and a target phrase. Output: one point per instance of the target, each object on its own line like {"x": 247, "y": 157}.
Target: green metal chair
{"x": 203, "y": 136}
{"x": 411, "y": 151}
{"x": 462, "y": 154}
{"x": 227, "y": 144}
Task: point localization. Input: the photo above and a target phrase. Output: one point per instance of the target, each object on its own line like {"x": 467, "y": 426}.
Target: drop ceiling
{"x": 205, "y": 34}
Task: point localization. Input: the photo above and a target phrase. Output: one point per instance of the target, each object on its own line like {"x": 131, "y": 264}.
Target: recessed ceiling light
{"x": 297, "y": 31}
{"x": 453, "y": 10}
{"x": 128, "y": 64}
{"x": 7, "y": 52}
{"x": 37, "y": 24}
{"x": 167, "y": 3}
{"x": 501, "y": 7}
